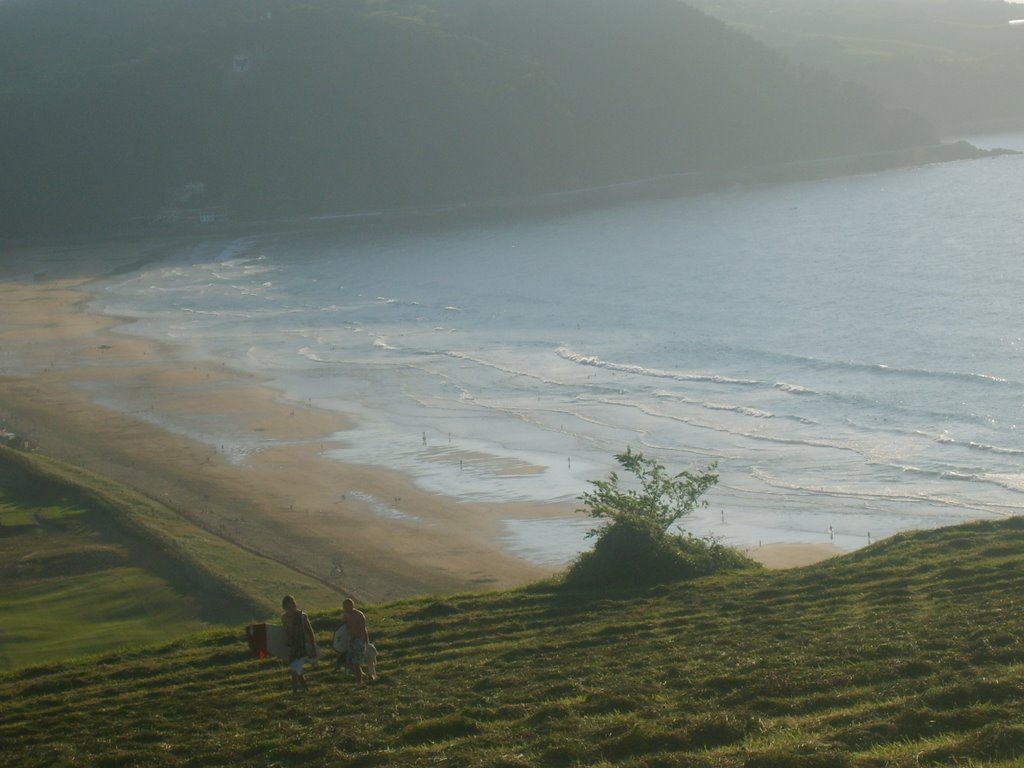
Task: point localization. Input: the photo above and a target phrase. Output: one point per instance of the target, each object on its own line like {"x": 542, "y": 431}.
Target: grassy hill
{"x": 88, "y": 566}
{"x": 907, "y": 653}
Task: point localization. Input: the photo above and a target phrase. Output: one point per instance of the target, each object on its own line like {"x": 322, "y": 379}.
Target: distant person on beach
{"x": 358, "y": 639}
{"x": 301, "y": 641}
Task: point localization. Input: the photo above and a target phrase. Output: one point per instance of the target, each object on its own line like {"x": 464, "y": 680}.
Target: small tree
{"x": 661, "y": 500}
{"x": 636, "y": 546}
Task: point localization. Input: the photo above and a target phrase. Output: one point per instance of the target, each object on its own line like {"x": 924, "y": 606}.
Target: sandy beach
{"x": 367, "y": 530}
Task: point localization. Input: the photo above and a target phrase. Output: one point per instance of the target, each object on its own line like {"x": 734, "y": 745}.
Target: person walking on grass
{"x": 358, "y": 639}
{"x": 301, "y": 641}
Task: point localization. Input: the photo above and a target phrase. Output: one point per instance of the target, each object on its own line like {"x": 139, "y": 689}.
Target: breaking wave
{"x": 638, "y": 370}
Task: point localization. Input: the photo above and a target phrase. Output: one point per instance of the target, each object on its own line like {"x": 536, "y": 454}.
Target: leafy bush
{"x": 661, "y": 500}
{"x": 629, "y": 553}
{"x": 635, "y": 547}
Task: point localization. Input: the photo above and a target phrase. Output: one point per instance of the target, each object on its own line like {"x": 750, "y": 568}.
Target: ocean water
{"x": 850, "y": 351}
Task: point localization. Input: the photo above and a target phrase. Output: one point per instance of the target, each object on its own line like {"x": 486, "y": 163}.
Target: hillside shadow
{"x": 215, "y": 603}
{"x": 74, "y": 535}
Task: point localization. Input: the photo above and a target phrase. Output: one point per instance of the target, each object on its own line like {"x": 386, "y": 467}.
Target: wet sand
{"x": 367, "y": 530}
{"x": 792, "y": 555}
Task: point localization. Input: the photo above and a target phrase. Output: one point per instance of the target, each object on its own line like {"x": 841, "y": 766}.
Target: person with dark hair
{"x": 301, "y": 641}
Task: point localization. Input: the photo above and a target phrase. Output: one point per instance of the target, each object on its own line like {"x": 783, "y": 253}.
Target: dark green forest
{"x": 115, "y": 110}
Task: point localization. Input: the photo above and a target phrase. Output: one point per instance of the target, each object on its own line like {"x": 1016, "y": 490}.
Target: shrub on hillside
{"x": 636, "y": 547}
{"x": 628, "y": 553}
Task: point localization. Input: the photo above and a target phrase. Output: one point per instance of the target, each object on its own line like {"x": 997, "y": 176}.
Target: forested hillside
{"x": 955, "y": 62}
{"x": 115, "y": 110}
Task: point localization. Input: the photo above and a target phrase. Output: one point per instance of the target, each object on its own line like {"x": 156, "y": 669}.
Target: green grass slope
{"x": 906, "y": 653}
{"x": 87, "y": 566}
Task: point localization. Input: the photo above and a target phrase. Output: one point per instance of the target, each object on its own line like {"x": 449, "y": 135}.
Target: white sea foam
{"x": 639, "y": 370}
{"x": 745, "y": 410}
{"x": 963, "y": 476}
{"x": 1014, "y": 481}
{"x": 996, "y": 449}
{"x": 793, "y": 389}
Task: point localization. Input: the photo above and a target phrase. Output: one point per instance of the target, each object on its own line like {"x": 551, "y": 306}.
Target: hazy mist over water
{"x": 850, "y": 351}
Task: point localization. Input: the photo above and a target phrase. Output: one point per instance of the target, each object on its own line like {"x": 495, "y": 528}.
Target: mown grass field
{"x": 87, "y": 566}
{"x": 907, "y": 653}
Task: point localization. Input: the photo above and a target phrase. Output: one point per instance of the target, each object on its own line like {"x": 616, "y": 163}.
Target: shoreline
{"x": 540, "y": 203}
{"x": 367, "y": 530}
